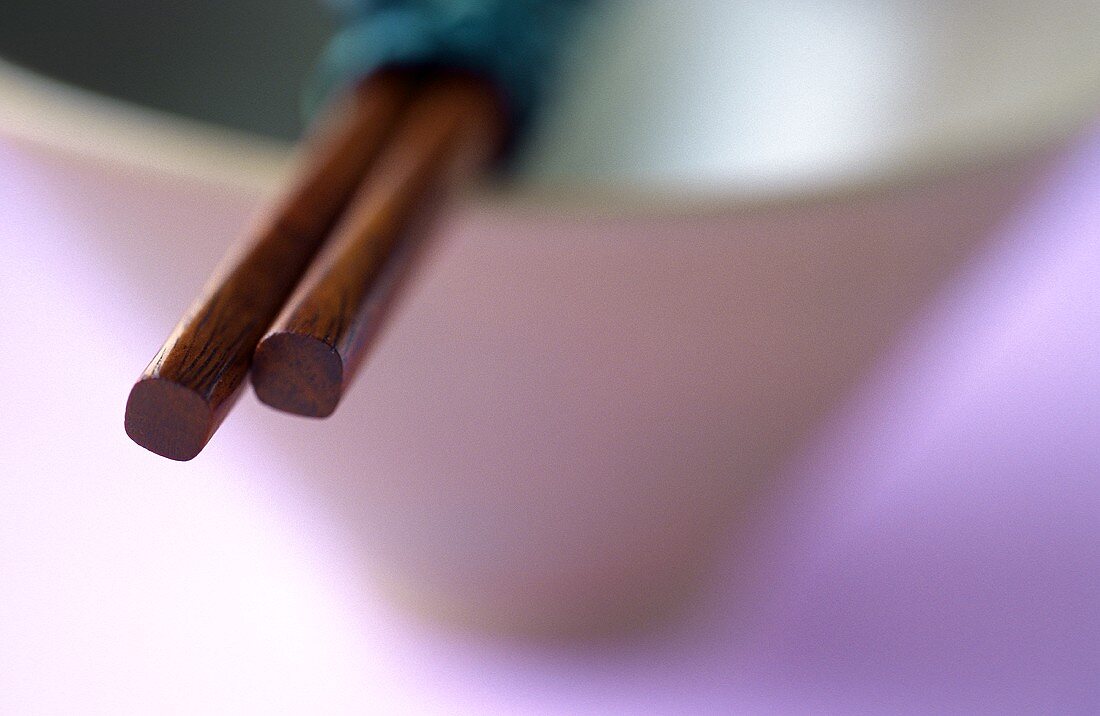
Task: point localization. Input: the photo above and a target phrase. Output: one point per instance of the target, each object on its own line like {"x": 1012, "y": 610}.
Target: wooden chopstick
{"x": 189, "y": 387}
{"x": 306, "y": 361}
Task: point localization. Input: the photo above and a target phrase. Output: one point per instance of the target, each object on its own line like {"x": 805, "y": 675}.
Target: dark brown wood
{"x": 308, "y": 358}
{"x": 189, "y": 387}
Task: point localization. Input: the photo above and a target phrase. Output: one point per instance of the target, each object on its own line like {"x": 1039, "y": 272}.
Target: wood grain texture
{"x": 190, "y": 385}
{"x": 309, "y": 357}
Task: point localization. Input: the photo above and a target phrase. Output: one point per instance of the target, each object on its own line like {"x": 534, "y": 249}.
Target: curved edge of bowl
{"x": 53, "y": 114}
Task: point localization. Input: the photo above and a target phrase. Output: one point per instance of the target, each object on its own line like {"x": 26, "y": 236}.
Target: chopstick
{"x": 311, "y": 353}
{"x": 187, "y": 390}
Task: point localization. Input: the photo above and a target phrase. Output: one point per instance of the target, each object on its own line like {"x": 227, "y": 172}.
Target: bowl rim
{"x": 56, "y": 115}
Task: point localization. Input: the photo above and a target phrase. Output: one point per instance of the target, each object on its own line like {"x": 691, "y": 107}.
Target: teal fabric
{"x": 512, "y": 42}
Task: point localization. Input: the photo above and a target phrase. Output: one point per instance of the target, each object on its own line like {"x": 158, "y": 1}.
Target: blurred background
{"x": 790, "y": 426}
{"x": 241, "y": 64}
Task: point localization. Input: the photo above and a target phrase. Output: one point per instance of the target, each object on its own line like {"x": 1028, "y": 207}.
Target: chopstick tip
{"x": 298, "y": 374}
{"x": 168, "y": 419}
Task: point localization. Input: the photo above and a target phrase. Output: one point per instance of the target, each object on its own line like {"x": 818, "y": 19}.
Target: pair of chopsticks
{"x": 299, "y": 301}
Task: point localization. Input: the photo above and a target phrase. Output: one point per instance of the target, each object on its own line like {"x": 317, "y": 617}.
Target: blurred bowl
{"x": 728, "y": 214}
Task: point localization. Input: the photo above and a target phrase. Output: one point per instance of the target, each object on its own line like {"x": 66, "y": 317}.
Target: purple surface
{"x": 935, "y": 548}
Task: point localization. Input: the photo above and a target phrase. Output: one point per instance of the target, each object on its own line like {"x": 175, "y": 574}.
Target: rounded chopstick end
{"x": 298, "y": 374}
{"x": 168, "y": 419}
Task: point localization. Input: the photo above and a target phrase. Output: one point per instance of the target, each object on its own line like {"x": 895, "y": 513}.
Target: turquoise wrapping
{"x": 514, "y": 43}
